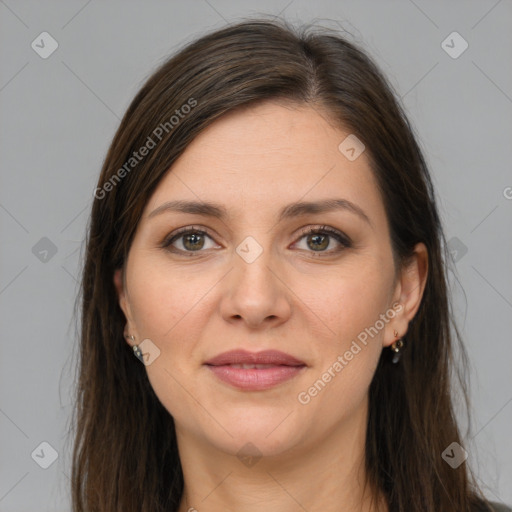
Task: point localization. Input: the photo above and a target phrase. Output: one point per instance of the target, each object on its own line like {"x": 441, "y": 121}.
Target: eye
{"x": 318, "y": 238}
{"x": 192, "y": 240}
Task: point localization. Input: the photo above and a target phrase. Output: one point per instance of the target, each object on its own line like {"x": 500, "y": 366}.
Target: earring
{"x": 136, "y": 350}
{"x": 396, "y": 348}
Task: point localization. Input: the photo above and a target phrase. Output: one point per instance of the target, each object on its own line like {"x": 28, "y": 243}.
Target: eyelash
{"x": 322, "y": 230}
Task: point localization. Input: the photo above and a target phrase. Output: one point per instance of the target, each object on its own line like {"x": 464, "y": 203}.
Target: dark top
{"x": 500, "y": 507}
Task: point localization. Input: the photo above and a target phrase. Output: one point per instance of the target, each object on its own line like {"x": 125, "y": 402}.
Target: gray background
{"x": 59, "y": 115}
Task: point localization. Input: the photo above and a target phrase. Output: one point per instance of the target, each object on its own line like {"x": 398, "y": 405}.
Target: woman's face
{"x": 256, "y": 281}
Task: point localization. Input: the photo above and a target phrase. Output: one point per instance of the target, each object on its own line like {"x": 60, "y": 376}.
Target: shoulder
{"x": 499, "y": 507}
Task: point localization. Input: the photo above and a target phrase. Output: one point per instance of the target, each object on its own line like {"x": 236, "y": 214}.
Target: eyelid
{"x": 336, "y": 233}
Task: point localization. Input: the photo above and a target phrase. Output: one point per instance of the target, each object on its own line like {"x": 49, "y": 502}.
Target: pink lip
{"x": 264, "y": 357}
{"x": 283, "y": 367}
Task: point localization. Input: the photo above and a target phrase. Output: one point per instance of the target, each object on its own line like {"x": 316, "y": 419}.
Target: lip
{"x": 279, "y": 367}
{"x": 245, "y": 357}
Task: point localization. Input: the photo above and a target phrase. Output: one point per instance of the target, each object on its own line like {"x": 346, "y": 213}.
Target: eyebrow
{"x": 292, "y": 210}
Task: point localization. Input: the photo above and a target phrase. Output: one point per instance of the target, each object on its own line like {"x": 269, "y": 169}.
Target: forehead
{"x": 260, "y": 158}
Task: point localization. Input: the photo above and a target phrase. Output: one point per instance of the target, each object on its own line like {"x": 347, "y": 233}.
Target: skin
{"x": 254, "y": 162}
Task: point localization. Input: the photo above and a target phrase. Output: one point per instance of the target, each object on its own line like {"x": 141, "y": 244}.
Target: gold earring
{"x": 396, "y": 347}
{"x": 136, "y": 350}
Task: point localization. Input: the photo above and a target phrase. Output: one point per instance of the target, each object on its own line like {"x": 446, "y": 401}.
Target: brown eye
{"x": 193, "y": 241}
{"x": 190, "y": 240}
{"x": 187, "y": 240}
{"x": 319, "y": 239}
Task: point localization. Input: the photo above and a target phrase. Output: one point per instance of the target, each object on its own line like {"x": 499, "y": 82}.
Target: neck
{"x": 327, "y": 475}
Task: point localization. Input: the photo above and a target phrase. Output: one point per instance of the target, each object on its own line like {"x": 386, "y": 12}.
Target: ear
{"x": 408, "y": 293}
{"x": 120, "y": 284}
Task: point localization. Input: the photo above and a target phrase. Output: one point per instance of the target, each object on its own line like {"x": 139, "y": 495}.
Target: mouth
{"x": 252, "y": 371}
{"x": 253, "y": 366}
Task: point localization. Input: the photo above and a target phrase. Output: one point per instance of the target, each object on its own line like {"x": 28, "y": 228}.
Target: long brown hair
{"x": 125, "y": 454}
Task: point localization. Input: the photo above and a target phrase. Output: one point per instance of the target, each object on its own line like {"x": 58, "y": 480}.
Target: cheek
{"x": 350, "y": 301}
{"x": 167, "y": 308}
{"x": 349, "y": 313}
{"x": 163, "y": 298}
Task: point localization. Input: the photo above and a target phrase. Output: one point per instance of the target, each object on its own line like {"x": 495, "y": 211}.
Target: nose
{"x": 255, "y": 292}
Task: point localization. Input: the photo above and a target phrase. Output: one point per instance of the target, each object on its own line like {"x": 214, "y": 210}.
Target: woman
{"x": 265, "y": 239}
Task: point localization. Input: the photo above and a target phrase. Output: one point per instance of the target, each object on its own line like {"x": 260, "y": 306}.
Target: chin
{"x": 264, "y": 432}
{"x": 255, "y": 445}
